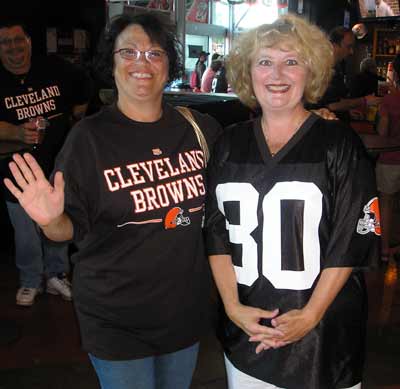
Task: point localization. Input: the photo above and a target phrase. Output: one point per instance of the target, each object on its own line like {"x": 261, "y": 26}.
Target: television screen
{"x": 379, "y": 8}
{"x": 195, "y": 50}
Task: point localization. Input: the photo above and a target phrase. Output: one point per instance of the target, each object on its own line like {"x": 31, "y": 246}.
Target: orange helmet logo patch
{"x": 175, "y": 218}
{"x": 371, "y": 222}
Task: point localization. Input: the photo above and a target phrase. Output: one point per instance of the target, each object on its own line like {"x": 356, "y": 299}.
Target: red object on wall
{"x": 198, "y": 12}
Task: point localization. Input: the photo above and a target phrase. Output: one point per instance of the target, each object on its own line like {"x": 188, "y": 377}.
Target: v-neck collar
{"x": 263, "y": 146}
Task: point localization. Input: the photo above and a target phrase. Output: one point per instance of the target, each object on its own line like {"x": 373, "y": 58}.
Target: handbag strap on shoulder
{"x": 187, "y": 114}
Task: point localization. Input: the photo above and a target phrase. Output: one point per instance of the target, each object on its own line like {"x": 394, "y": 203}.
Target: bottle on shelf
{"x": 379, "y": 46}
{"x": 385, "y": 46}
{"x": 392, "y": 47}
{"x": 389, "y": 73}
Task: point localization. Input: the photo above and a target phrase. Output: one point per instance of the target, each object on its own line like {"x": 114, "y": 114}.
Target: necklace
{"x": 275, "y": 148}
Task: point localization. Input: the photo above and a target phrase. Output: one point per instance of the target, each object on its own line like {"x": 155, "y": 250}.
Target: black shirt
{"x": 135, "y": 193}
{"x": 336, "y": 91}
{"x": 284, "y": 219}
{"x": 51, "y": 89}
{"x": 364, "y": 84}
{"x": 220, "y": 83}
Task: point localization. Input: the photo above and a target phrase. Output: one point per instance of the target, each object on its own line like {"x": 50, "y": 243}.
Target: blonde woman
{"x": 290, "y": 217}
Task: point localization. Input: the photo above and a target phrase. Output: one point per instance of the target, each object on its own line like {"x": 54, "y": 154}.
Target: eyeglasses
{"x": 153, "y": 56}
{"x": 18, "y": 41}
{"x": 280, "y": 27}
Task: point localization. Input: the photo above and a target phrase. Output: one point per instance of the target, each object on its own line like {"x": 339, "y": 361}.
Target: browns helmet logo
{"x": 371, "y": 222}
{"x": 175, "y": 218}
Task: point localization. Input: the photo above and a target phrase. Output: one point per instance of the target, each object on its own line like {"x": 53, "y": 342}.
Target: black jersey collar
{"x": 263, "y": 146}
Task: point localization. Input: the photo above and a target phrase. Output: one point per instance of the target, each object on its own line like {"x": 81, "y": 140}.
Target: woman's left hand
{"x": 297, "y": 323}
{"x": 294, "y": 325}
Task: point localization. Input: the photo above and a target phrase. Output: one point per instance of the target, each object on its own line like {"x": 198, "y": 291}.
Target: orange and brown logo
{"x": 371, "y": 222}
{"x": 175, "y": 218}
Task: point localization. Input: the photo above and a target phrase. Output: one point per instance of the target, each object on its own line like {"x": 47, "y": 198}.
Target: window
{"x": 249, "y": 15}
{"x": 220, "y": 13}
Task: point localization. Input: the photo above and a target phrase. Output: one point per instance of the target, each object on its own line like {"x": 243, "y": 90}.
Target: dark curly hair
{"x": 159, "y": 32}
{"x": 336, "y": 35}
{"x": 8, "y": 23}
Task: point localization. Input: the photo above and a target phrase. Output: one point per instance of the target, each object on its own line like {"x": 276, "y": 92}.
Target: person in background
{"x": 291, "y": 220}
{"x": 388, "y": 164}
{"x": 382, "y": 9}
{"x": 367, "y": 8}
{"x": 129, "y": 190}
{"x": 200, "y": 67}
{"x": 33, "y": 88}
{"x": 336, "y": 97}
{"x": 208, "y": 75}
{"x": 219, "y": 83}
{"x": 366, "y": 81}
{"x": 363, "y": 8}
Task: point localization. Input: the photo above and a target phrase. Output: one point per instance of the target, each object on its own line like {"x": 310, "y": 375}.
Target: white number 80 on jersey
{"x": 248, "y": 198}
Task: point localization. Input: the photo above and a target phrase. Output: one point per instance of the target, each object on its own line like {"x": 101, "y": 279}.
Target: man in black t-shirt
{"x": 31, "y": 89}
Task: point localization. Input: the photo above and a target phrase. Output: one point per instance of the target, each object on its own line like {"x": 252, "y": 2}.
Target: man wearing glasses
{"x": 38, "y": 99}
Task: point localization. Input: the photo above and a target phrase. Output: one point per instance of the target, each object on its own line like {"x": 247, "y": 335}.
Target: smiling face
{"x": 15, "y": 49}
{"x": 138, "y": 80}
{"x": 278, "y": 78}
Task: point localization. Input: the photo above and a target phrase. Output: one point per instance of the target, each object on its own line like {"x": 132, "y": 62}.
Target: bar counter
{"x": 374, "y": 142}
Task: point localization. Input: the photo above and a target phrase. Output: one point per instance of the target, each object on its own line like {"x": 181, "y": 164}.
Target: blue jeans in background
{"x": 35, "y": 255}
{"x": 168, "y": 371}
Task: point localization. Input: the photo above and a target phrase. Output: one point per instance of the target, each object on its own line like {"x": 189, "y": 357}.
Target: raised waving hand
{"x": 42, "y": 201}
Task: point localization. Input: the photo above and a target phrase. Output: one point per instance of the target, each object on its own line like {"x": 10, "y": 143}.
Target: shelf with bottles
{"x": 386, "y": 46}
{"x": 386, "y": 43}
{"x": 381, "y": 67}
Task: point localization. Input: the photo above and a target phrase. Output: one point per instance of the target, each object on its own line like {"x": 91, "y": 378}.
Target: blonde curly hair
{"x": 291, "y": 33}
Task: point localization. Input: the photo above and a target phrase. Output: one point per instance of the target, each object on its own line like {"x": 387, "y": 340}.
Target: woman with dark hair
{"x": 129, "y": 190}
